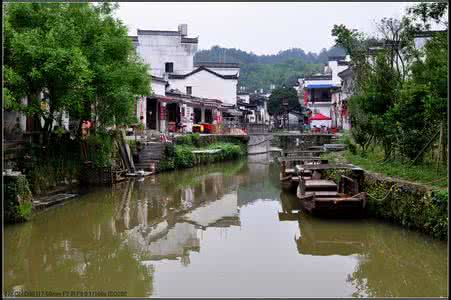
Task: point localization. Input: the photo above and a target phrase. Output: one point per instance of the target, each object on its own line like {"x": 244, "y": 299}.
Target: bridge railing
{"x": 256, "y": 128}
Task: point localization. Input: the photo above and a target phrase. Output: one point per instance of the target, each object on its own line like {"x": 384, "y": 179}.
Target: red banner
{"x": 162, "y": 112}
{"x": 305, "y": 97}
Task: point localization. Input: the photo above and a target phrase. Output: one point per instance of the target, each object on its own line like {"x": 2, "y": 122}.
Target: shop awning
{"x": 320, "y": 117}
{"x": 234, "y": 112}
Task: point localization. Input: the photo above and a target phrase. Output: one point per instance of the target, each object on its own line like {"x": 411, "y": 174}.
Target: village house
{"x": 183, "y": 93}
{"x": 254, "y": 107}
{"x": 319, "y": 92}
{"x": 340, "y": 98}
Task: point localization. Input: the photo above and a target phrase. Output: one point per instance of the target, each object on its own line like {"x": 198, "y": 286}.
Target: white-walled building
{"x": 167, "y": 51}
{"x": 206, "y": 83}
{"x": 183, "y": 93}
{"x": 318, "y": 90}
{"x": 340, "y": 99}
{"x": 244, "y": 97}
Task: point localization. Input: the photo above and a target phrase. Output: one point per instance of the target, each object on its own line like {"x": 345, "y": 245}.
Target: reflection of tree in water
{"x": 76, "y": 248}
{"x": 392, "y": 262}
{"x": 258, "y": 183}
{"x": 398, "y": 263}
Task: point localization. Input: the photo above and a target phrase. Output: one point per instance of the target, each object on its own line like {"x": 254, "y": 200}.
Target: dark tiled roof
{"x": 242, "y": 103}
{"x": 190, "y": 40}
{"x": 202, "y": 68}
{"x": 334, "y": 58}
{"x": 156, "y": 78}
{"x": 318, "y": 77}
{"x": 428, "y": 33}
{"x": 177, "y": 96}
{"x": 217, "y": 65}
{"x": 343, "y": 63}
{"x": 345, "y": 72}
{"x": 157, "y": 32}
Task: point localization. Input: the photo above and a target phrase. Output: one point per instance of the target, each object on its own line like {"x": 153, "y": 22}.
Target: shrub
{"x": 347, "y": 141}
{"x": 184, "y": 158}
{"x": 17, "y": 199}
{"x": 169, "y": 150}
{"x": 184, "y": 140}
{"x": 50, "y": 165}
{"x": 180, "y": 155}
{"x": 438, "y": 217}
{"x": 166, "y": 165}
{"x": 195, "y": 138}
{"x": 100, "y": 147}
{"x": 229, "y": 151}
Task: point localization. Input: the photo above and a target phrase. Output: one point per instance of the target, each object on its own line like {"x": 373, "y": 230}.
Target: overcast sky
{"x": 263, "y": 28}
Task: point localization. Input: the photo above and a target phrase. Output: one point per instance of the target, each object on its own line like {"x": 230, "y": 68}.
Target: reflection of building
{"x": 168, "y": 229}
{"x": 171, "y": 243}
{"x": 220, "y": 211}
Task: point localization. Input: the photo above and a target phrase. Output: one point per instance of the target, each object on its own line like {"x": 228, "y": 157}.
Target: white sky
{"x": 263, "y": 28}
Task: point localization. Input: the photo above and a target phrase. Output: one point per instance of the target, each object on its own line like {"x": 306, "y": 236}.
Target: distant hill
{"x": 260, "y": 71}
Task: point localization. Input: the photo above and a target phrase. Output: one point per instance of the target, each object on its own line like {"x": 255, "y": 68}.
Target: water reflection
{"x": 74, "y": 248}
{"x": 391, "y": 261}
{"x": 219, "y": 230}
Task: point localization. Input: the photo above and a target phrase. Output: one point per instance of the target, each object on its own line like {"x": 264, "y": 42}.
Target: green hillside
{"x": 260, "y": 71}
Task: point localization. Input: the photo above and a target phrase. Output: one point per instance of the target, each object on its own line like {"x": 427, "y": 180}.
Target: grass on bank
{"x": 424, "y": 173}
{"x": 180, "y": 155}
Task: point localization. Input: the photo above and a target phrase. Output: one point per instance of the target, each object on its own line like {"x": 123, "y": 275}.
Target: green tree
{"x": 281, "y": 94}
{"x": 401, "y": 91}
{"x": 78, "y": 55}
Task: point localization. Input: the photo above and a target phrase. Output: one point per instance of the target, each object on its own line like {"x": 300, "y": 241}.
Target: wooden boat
{"x": 288, "y": 177}
{"x": 308, "y": 153}
{"x": 320, "y": 196}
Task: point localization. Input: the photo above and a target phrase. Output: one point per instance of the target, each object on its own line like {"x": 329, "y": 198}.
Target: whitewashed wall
{"x": 245, "y": 98}
{"x": 158, "y": 87}
{"x": 207, "y": 85}
{"x": 156, "y": 50}
{"x": 322, "y": 109}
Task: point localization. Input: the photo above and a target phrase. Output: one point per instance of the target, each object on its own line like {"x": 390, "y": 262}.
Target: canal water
{"x": 219, "y": 230}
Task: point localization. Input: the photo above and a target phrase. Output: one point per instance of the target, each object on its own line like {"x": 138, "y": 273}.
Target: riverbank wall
{"x": 408, "y": 204}
{"x": 17, "y": 199}
{"x": 405, "y": 203}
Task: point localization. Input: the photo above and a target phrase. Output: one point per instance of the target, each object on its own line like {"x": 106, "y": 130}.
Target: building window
{"x": 169, "y": 67}
{"x": 189, "y": 90}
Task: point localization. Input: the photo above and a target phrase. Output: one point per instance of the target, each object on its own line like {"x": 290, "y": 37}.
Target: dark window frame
{"x": 169, "y": 67}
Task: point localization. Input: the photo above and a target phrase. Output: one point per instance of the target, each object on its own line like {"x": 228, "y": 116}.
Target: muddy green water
{"x": 220, "y": 230}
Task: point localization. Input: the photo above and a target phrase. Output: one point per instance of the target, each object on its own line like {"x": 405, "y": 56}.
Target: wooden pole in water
{"x": 441, "y": 147}
{"x": 284, "y": 166}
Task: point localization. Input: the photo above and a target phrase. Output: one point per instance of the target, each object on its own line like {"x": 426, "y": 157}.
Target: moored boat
{"x": 325, "y": 197}
{"x": 288, "y": 178}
